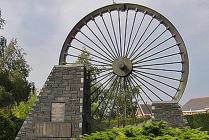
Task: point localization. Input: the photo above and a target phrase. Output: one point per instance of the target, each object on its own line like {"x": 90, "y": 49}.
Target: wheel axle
{"x": 122, "y": 66}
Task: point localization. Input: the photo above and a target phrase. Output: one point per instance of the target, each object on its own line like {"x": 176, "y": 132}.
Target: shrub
{"x": 97, "y": 125}
{"x": 7, "y": 127}
{"x": 21, "y": 111}
{"x": 148, "y": 131}
{"x": 11, "y": 119}
{"x": 154, "y": 129}
{"x": 199, "y": 121}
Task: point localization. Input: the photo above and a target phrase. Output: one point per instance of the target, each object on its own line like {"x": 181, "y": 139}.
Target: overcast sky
{"x": 41, "y": 27}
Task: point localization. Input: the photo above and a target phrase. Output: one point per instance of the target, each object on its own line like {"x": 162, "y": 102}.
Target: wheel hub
{"x": 122, "y": 66}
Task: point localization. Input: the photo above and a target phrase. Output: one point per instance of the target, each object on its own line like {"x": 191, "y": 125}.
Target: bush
{"x": 17, "y": 122}
{"x": 7, "y": 127}
{"x": 154, "y": 129}
{"x": 21, "y": 111}
{"x": 149, "y": 131}
{"x": 199, "y": 121}
{"x": 97, "y": 125}
{"x": 11, "y": 119}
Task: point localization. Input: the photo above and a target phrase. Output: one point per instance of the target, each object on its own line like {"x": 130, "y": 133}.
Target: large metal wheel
{"x": 135, "y": 50}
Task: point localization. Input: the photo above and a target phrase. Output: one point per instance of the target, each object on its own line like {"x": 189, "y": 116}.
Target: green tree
{"x": 21, "y": 111}
{"x": 15, "y": 89}
{"x": 6, "y": 98}
{"x": 7, "y": 127}
{"x": 85, "y": 59}
{"x": 13, "y": 71}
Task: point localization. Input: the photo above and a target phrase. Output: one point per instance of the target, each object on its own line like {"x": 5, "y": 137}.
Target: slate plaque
{"x": 58, "y": 112}
{"x": 53, "y": 129}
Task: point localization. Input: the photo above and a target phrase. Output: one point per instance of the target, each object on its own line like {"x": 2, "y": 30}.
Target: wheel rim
{"x": 133, "y": 47}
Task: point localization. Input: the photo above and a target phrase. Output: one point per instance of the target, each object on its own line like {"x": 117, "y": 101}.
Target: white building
{"x": 196, "y": 105}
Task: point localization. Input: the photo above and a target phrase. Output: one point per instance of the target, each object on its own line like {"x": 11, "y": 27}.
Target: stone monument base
{"x": 62, "y": 109}
{"x": 169, "y": 112}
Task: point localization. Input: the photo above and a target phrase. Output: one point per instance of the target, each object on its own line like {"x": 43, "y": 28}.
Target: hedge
{"x": 199, "y": 121}
{"x": 97, "y": 125}
{"x": 148, "y": 131}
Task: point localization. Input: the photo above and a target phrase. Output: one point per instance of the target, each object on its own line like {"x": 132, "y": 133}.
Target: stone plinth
{"x": 62, "y": 110}
{"x": 168, "y": 111}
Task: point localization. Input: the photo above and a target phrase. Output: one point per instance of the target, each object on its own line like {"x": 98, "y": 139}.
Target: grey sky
{"x": 41, "y": 27}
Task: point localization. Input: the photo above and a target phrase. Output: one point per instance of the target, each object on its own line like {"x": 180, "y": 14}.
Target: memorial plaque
{"x": 53, "y": 129}
{"x": 58, "y": 112}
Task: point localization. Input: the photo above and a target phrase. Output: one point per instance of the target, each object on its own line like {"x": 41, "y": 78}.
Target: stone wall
{"x": 62, "y": 110}
{"x": 168, "y": 111}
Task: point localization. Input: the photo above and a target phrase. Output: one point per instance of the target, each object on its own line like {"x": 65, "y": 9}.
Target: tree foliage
{"x": 21, "y": 111}
{"x": 7, "y": 127}
{"x": 11, "y": 119}
{"x": 6, "y": 98}
{"x": 13, "y": 73}
{"x": 14, "y": 87}
{"x": 199, "y": 121}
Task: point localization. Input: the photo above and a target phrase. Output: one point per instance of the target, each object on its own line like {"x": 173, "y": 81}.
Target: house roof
{"x": 146, "y": 108}
{"x": 196, "y": 104}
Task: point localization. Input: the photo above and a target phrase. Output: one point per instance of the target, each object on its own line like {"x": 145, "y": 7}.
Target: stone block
{"x": 169, "y": 111}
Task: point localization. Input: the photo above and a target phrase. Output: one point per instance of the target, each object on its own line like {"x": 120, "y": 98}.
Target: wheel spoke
{"x": 132, "y": 27}
{"x": 101, "y": 79}
{"x": 110, "y": 97}
{"x": 112, "y": 53}
{"x": 105, "y": 64}
{"x": 162, "y": 76}
{"x": 157, "y": 64}
{"x": 92, "y": 49}
{"x": 83, "y": 51}
{"x": 128, "y": 80}
{"x": 106, "y": 74}
{"x": 116, "y": 95}
{"x": 137, "y": 56}
{"x": 168, "y": 70}
{"x": 119, "y": 29}
{"x": 104, "y": 83}
{"x": 134, "y": 50}
{"x": 147, "y": 39}
{"x": 102, "y": 99}
{"x": 99, "y": 70}
{"x": 136, "y": 33}
{"x": 124, "y": 45}
{"x": 131, "y": 80}
{"x": 157, "y": 81}
{"x": 154, "y": 86}
{"x": 102, "y": 33}
{"x": 110, "y": 37}
{"x": 140, "y": 87}
{"x": 156, "y": 53}
{"x": 96, "y": 45}
{"x": 156, "y": 58}
{"x": 150, "y": 90}
{"x": 113, "y": 28}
